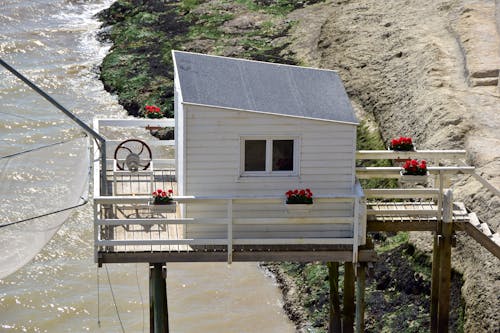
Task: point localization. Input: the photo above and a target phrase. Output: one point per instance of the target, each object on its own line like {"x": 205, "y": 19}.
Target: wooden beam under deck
{"x": 367, "y": 255}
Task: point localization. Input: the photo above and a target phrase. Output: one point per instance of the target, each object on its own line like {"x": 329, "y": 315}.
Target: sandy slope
{"x": 420, "y": 68}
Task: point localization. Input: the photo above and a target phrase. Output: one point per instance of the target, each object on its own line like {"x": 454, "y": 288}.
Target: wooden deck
{"x": 134, "y": 232}
{"x": 409, "y": 215}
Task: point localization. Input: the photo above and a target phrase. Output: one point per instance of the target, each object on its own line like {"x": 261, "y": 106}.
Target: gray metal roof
{"x": 263, "y": 87}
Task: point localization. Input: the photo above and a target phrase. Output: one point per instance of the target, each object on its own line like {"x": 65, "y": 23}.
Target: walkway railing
{"x": 481, "y": 232}
{"x": 176, "y": 240}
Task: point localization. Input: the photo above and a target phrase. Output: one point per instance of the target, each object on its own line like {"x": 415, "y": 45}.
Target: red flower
{"x": 414, "y": 167}
{"x": 299, "y": 196}
{"x": 153, "y": 111}
{"x": 162, "y": 197}
{"x": 401, "y": 143}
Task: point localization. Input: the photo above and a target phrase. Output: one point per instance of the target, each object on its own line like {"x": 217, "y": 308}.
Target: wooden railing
{"x": 103, "y": 205}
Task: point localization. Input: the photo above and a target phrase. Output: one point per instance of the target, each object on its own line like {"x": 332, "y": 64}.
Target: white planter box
{"x": 171, "y": 207}
{"x": 415, "y": 179}
{"x": 298, "y": 208}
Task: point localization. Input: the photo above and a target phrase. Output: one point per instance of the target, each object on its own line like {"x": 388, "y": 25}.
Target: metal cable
{"x": 85, "y": 201}
{"x": 114, "y": 300}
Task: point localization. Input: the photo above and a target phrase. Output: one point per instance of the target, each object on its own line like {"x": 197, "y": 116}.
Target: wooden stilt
{"x": 444, "y": 279}
{"x": 445, "y": 263}
{"x": 335, "y": 324}
{"x": 435, "y": 280}
{"x": 360, "y": 298}
{"x": 158, "y": 309}
{"x": 348, "y": 312}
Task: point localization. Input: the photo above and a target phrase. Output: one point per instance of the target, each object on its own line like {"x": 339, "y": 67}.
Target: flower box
{"x": 299, "y": 208}
{"x": 170, "y": 207}
{"x": 415, "y": 179}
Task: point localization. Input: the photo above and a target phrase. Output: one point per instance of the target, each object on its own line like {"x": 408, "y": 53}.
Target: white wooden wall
{"x": 212, "y": 159}
{"x": 180, "y": 136}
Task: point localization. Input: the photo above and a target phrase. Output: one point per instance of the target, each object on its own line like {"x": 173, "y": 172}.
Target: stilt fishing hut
{"x": 248, "y": 136}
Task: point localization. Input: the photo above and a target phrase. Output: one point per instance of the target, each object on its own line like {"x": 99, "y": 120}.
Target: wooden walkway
{"x": 409, "y": 216}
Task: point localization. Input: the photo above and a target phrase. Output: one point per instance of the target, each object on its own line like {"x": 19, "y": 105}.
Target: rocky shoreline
{"x": 411, "y": 78}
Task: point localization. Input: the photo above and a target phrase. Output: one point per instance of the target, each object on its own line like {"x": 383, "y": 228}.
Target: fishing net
{"x": 38, "y": 192}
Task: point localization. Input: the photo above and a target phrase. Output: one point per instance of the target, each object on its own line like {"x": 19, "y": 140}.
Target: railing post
{"x": 230, "y": 231}
{"x": 355, "y": 240}
{"x": 96, "y": 231}
{"x": 441, "y": 194}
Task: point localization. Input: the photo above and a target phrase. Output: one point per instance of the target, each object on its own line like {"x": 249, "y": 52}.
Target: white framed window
{"x": 269, "y": 156}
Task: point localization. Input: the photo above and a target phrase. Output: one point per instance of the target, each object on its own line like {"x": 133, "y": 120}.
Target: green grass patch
{"x": 393, "y": 242}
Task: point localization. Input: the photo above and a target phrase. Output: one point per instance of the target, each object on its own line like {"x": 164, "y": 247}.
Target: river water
{"x": 53, "y": 43}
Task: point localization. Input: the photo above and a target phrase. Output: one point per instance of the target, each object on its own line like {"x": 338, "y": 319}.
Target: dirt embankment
{"x": 427, "y": 69}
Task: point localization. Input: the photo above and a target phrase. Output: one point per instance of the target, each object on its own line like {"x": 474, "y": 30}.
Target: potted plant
{"x": 414, "y": 171}
{"x": 163, "y": 202}
{"x": 299, "y": 200}
{"x": 153, "y": 112}
{"x": 402, "y": 144}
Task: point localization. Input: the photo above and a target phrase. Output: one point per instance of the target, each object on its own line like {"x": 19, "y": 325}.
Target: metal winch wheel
{"x": 133, "y": 154}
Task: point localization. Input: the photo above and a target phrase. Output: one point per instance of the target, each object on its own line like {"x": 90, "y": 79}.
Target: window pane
{"x": 282, "y": 155}
{"x": 255, "y": 155}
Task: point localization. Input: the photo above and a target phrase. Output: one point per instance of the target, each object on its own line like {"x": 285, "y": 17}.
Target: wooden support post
{"x": 444, "y": 279}
{"x": 360, "y": 298}
{"x": 335, "y": 325}
{"x": 158, "y": 309}
{"x": 435, "y": 279}
{"x": 348, "y": 313}
{"x": 445, "y": 263}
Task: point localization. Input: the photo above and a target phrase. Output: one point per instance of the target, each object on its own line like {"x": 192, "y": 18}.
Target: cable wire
{"x": 85, "y": 201}
{"x": 114, "y": 300}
